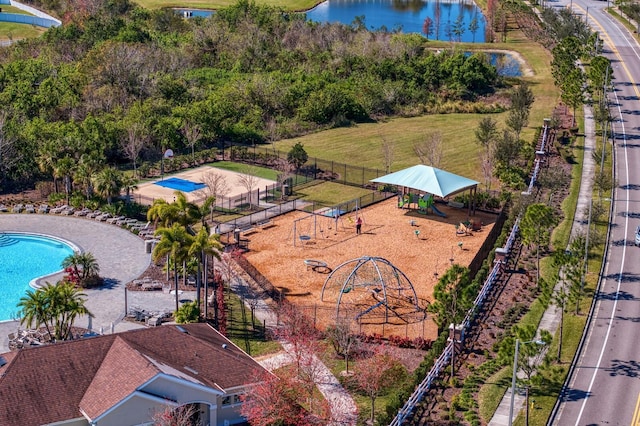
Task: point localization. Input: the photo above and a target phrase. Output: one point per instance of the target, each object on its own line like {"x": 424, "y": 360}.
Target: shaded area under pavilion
{"x": 431, "y": 180}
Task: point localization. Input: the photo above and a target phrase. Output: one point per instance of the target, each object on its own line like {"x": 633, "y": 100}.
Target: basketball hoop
{"x": 167, "y": 154}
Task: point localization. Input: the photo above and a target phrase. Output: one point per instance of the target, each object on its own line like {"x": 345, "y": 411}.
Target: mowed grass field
{"x": 13, "y": 31}
{"x": 294, "y": 5}
{"x": 361, "y": 144}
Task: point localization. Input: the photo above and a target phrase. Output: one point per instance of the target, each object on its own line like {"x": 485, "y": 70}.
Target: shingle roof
{"x": 51, "y": 383}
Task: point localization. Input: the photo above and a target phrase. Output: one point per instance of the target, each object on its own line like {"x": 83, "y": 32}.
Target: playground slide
{"x": 436, "y": 211}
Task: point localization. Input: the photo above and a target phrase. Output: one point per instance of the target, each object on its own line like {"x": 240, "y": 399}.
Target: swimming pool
{"x": 180, "y": 184}
{"x": 25, "y": 257}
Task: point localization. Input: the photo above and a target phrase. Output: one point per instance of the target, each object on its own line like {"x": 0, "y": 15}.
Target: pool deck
{"x": 121, "y": 256}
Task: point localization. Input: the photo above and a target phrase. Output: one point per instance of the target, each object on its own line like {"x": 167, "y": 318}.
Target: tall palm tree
{"x": 108, "y": 183}
{"x": 88, "y": 166}
{"x": 129, "y": 184}
{"x": 175, "y": 243}
{"x": 203, "y": 245}
{"x": 65, "y": 167}
{"x": 48, "y": 154}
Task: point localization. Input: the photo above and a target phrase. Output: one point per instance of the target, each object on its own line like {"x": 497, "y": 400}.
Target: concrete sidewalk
{"x": 343, "y": 408}
{"x": 551, "y": 317}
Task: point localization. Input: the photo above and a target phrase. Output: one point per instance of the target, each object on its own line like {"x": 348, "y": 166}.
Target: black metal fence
{"x": 314, "y": 168}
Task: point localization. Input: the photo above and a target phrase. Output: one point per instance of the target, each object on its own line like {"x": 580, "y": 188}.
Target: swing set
{"x": 325, "y": 221}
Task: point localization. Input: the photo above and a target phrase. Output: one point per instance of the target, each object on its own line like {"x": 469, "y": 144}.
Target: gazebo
{"x": 431, "y": 180}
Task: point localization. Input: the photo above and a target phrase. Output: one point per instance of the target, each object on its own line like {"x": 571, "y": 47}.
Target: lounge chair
{"x": 29, "y": 208}
{"x": 82, "y": 212}
{"x": 59, "y": 209}
{"x": 103, "y": 217}
{"x": 44, "y": 208}
{"x": 17, "y": 208}
{"x": 113, "y": 220}
{"x": 94, "y": 214}
{"x": 3, "y": 208}
{"x": 68, "y": 211}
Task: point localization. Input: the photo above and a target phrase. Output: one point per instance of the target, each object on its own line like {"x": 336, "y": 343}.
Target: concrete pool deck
{"x": 121, "y": 256}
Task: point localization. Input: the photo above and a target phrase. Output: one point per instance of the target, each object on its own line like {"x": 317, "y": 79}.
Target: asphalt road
{"x": 604, "y": 388}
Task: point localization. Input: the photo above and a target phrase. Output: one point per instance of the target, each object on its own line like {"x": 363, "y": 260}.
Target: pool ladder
{"x": 6, "y": 240}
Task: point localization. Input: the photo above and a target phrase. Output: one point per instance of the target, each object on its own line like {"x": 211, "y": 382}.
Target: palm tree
{"x": 47, "y": 157}
{"x": 84, "y": 265}
{"x": 186, "y": 213}
{"x": 129, "y": 183}
{"x": 159, "y": 212}
{"x": 175, "y": 243}
{"x": 203, "y": 245}
{"x": 85, "y": 172}
{"x": 54, "y": 306}
{"x": 108, "y": 183}
{"x": 65, "y": 167}
{"x": 34, "y": 307}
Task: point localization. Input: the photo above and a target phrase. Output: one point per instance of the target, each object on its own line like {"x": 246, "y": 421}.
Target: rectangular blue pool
{"x": 180, "y": 184}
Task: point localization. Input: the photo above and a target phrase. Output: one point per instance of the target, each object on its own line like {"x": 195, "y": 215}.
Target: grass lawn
{"x": 14, "y": 31}
{"x": 295, "y": 5}
{"x": 330, "y": 193}
{"x": 243, "y": 333}
{"x": 492, "y": 391}
{"x": 261, "y": 172}
{"x": 362, "y": 143}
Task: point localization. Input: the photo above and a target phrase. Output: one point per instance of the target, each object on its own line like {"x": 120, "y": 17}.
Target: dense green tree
{"x": 297, "y": 156}
{"x": 453, "y": 296}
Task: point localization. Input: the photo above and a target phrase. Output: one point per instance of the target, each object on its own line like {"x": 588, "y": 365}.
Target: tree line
{"x": 116, "y": 85}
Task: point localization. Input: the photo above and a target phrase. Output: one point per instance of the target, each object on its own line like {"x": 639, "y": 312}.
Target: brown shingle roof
{"x": 51, "y": 383}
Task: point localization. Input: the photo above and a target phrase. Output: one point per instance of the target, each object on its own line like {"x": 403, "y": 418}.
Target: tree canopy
{"x": 118, "y": 84}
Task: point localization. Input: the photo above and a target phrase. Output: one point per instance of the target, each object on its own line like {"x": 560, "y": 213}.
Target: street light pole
{"x": 515, "y": 373}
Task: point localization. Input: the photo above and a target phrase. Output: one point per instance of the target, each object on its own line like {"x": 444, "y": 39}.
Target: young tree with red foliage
{"x": 274, "y": 400}
{"x": 377, "y": 374}
{"x": 427, "y": 27}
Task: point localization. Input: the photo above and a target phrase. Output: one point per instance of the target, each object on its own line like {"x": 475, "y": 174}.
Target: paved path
{"x": 343, "y": 407}
{"x": 551, "y": 317}
{"x": 121, "y": 256}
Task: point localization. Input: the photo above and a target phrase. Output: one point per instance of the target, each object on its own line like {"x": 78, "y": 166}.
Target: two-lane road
{"x": 604, "y": 388}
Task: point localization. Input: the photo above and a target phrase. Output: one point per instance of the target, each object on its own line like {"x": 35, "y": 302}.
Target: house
{"x": 127, "y": 379}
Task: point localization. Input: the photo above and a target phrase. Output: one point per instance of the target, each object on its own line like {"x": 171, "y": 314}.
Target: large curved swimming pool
{"x": 25, "y": 257}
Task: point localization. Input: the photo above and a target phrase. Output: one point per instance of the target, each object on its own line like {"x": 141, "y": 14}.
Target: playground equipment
{"x": 325, "y": 222}
{"x": 424, "y": 202}
{"x": 371, "y": 290}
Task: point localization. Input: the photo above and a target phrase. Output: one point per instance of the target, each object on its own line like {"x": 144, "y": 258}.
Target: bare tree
{"x": 285, "y": 170}
{"x": 248, "y": 180}
{"x": 486, "y": 164}
{"x": 429, "y": 151}
{"x": 388, "y": 154}
{"x": 170, "y": 416}
{"x": 216, "y": 185}
{"x": 193, "y": 133}
{"x": 133, "y": 144}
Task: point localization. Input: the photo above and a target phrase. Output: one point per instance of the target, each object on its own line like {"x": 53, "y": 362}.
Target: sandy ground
{"x": 387, "y": 232}
{"x": 150, "y": 191}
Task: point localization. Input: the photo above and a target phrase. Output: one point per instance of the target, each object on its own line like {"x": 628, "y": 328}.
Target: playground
{"x": 300, "y": 250}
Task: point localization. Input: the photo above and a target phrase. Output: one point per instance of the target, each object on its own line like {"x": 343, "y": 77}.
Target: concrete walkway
{"x": 551, "y": 317}
{"x": 343, "y": 407}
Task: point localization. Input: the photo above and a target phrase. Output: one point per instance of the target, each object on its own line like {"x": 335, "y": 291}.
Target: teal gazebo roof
{"x": 428, "y": 179}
